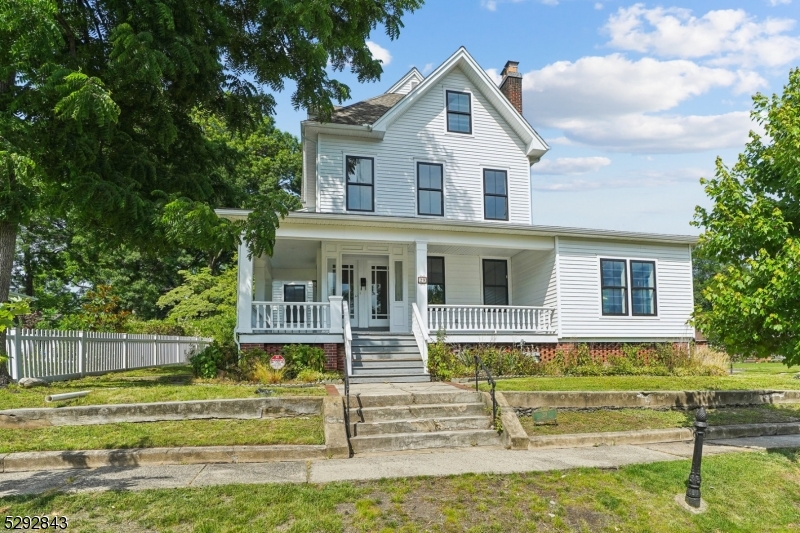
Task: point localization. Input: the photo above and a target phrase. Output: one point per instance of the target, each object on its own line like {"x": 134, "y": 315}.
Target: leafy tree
{"x": 753, "y": 232}
{"x": 97, "y": 98}
{"x": 100, "y": 311}
{"x": 204, "y": 304}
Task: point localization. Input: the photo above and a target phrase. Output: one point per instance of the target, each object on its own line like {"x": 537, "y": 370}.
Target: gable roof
{"x": 536, "y": 146}
{"x": 411, "y": 76}
{"x": 367, "y": 111}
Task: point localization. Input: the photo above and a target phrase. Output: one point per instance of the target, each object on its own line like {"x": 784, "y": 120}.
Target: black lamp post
{"x": 693, "y": 486}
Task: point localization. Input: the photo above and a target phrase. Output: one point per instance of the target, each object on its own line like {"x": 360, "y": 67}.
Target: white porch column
{"x": 244, "y": 300}
{"x": 336, "y": 314}
{"x": 422, "y": 288}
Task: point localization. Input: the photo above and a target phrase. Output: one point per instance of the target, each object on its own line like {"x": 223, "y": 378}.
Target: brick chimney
{"x": 511, "y": 85}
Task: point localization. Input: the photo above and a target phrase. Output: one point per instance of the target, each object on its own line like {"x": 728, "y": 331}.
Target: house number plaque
{"x": 422, "y": 280}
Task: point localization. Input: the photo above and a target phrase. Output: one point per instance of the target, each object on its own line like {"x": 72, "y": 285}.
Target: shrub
{"x": 311, "y": 376}
{"x": 264, "y": 373}
{"x": 443, "y": 363}
{"x": 208, "y": 362}
{"x": 300, "y": 357}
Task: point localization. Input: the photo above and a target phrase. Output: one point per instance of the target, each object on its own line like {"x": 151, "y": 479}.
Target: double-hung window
{"x": 495, "y": 194}
{"x": 360, "y": 183}
{"x": 459, "y": 112}
{"x": 436, "y": 280}
{"x": 617, "y": 286}
{"x": 614, "y": 285}
{"x": 430, "y": 196}
{"x": 643, "y": 288}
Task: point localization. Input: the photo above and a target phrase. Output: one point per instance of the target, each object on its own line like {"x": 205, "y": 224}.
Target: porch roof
{"x": 378, "y": 221}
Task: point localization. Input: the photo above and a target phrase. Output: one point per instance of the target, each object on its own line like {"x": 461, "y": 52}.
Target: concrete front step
{"x": 405, "y": 412}
{"x": 386, "y": 349}
{"x": 421, "y": 425}
{"x": 398, "y": 378}
{"x": 416, "y": 398}
{"x": 383, "y": 356}
{"x": 416, "y": 441}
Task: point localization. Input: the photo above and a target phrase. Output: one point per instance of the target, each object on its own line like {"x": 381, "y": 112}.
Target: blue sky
{"x": 635, "y": 99}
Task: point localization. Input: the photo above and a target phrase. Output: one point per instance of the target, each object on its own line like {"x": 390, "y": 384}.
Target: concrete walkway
{"x": 406, "y": 464}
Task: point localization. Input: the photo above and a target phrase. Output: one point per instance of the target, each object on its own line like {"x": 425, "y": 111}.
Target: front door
{"x": 365, "y": 285}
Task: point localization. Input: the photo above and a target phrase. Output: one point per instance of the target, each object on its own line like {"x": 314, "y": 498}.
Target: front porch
{"x": 479, "y": 293}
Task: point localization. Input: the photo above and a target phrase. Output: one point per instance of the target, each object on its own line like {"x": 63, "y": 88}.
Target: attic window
{"x": 459, "y": 112}
{"x": 414, "y": 85}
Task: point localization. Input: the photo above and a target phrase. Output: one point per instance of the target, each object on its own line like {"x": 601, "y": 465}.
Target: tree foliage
{"x": 753, "y": 233}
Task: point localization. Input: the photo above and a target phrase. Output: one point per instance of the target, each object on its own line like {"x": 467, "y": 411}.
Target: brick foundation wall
{"x": 599, "y": 351}
{"x": 334, "y": 353}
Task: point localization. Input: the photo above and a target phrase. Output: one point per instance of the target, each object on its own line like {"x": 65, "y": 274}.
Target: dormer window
{"x": 360, "y": 183}
{"x": 459, "y": 112}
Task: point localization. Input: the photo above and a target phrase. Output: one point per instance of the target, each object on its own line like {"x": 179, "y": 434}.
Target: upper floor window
{"x": 643, "y": 288}
{"x": 430, "y": 197}
{"x": 495, "y": 192}
{"x": 459, "y": 112}
{"x": 614, "y": 286}
{"x": 360, "y": 183}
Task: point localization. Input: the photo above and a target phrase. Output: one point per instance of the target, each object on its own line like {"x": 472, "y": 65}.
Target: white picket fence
{"x": 54, "y": 354}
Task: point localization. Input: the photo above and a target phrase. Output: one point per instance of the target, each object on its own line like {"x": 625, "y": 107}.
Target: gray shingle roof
{"x": 366, "y": 112}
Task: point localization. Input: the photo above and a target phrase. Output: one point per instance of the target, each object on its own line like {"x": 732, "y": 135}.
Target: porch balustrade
{"x": 302, "y": 317}
{"x": 490, "y": 318}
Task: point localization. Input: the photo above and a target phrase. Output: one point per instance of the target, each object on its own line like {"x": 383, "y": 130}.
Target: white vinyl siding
{"x": 420, "y": 134}
{"x": 579, "y": 283}
{"x": 277, "y": 289}
{"x": 407, "y": 86}
{"x": 533, "y": 279}
{"x": 462, "y": 279}
{"x": 309, "y": 196}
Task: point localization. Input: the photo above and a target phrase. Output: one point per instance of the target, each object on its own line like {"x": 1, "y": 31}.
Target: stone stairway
{"x": 436, "y": 416}
{"x": 385, "y": 357}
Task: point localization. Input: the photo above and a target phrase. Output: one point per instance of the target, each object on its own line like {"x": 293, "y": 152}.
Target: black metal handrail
{"x": 490, "y": 380}
{"x": 347, "y": 409}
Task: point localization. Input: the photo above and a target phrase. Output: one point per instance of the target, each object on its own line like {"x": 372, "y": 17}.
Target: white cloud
{"x": 570, "y": 165}
{"x": 620, "y": 104}
{"x": 560, "y": 141}
{"x": 598, "y": 6}
{"x": 642, "y": 133}
{"x": 379, "y": 52}
{"x": 647, "y": 178}
{"x": 494, "y": 74}
{"x": 491, "y": 5}
{"x": 427, "y": 68}
{"x": 550, "y": 2}
{"x": 774, "y": 3}
{"x": 721, "y": 37}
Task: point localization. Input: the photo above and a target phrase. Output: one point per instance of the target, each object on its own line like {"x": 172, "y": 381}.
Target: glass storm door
{"x": 379, "y": 295}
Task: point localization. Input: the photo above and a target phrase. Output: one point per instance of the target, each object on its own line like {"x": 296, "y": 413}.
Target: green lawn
{"x": 751, "y": 492}
{"x": 637, "y": 419}
{"x": 753, "y": 376}
{"x": 302, "y": 430}
{"x": 165, "y": 384}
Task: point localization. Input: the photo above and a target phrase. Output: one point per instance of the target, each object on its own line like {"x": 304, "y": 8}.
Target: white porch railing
{"x": 56, "y": 354}
{"x": 304, "y": 317}
{"x": 348, "y": 338}
{"x": 420, "y": 335}
{"x": 490, "y": 318}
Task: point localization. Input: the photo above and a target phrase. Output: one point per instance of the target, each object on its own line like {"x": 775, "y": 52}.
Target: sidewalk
{"x": 404, "y": 464}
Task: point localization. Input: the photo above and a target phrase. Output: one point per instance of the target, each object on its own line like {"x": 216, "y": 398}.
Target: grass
{"x": 164, "y": 384}
{"x": 752, "y": 376}
{"x": 638, "y": 419}
{"x": 301, "y": 430}
{"x": 634, "y": 498}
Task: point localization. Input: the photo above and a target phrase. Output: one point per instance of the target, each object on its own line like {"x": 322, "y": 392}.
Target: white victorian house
{"x": 417, "y": 219}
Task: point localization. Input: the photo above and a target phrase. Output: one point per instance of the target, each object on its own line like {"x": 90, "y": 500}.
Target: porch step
{"x": 420, "y": 425}
{"x": 417, "y": 440}
{"x": 417, "y": 398}
{"x": 386, "y": 348}
{"x": 414, "y": 411}
{"x": 382, "y": 364}
{"x": 395, "y": 378}
{"x": 386, "y": 356}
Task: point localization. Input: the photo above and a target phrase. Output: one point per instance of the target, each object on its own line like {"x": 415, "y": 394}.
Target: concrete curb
{"x": 651, "y": 436}
{"x": 648, "y": 399}
{"x": 336, "y": 445}
{"x": 242, "y": 408}
{"x": 65, "y": 460}
{"x": 514, "y": 436}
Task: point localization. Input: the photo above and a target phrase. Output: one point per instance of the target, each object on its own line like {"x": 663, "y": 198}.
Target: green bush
{"x": 209, "y": 362}
{"x": 300, "y": 357}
